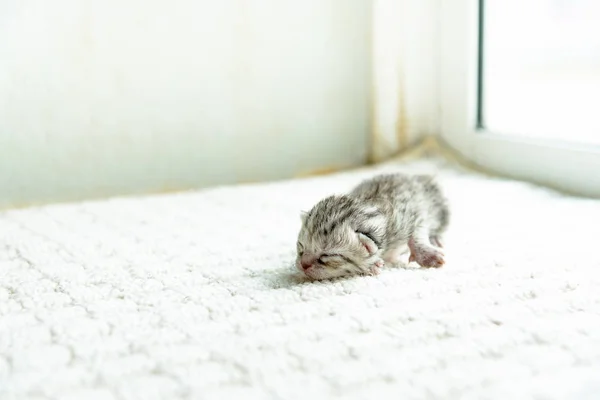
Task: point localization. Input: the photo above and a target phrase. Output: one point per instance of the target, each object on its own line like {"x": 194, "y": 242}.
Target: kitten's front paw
{"x": 376, "y": 267}
{"x": 427, "y": 257}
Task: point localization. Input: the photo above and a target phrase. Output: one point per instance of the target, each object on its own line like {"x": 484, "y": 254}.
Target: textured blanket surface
{"x": 194, "y": 296}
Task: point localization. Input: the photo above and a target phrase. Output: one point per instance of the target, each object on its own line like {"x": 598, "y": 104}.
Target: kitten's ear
{"x": 303, "y": 215}
{"x": 369, "y": 244}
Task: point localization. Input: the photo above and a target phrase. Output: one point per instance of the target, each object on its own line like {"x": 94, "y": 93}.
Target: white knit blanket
{"x": 193, "y": 296}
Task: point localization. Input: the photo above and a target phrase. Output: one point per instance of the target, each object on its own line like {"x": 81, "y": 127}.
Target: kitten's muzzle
{"x": 307, "y": 261}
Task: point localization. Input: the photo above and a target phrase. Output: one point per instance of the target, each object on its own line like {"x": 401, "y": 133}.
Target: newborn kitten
{"x": 359, "y": 232}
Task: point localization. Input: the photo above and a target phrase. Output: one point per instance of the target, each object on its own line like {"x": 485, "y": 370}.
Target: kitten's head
{"x": 340, "y": 236}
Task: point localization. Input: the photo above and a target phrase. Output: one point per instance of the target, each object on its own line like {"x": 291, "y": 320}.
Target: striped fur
{"x": 357, "y": 232}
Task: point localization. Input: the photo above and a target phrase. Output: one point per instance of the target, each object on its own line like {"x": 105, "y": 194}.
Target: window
{"x": 540, "y": 68}
{"x": 520, "y": 88}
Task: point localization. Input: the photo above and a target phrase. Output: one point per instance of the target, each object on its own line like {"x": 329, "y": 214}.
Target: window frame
{"x": 563, "y": 165}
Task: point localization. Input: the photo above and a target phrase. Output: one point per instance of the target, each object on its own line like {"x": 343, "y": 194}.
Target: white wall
{"x": 406, "y": 39}
{"x": 120, "y": 96}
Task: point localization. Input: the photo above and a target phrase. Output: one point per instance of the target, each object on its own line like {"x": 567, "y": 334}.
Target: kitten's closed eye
{"x": 330, "y": 258}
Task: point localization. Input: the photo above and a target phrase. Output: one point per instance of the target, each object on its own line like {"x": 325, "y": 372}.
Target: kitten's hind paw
{"x": 426, "y": 256}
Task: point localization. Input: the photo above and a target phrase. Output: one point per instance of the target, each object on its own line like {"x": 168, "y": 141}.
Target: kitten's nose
{"x": 307, "y": 261}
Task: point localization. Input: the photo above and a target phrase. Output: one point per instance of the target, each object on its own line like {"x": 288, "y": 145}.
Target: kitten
{"x": 359, "y": 232}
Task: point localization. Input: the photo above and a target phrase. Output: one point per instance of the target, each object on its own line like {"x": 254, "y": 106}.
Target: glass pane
{"x": 541, "y": 68}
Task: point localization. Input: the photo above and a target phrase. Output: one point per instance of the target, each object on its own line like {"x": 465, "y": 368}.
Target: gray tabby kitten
{"x": 359, "y": 232}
